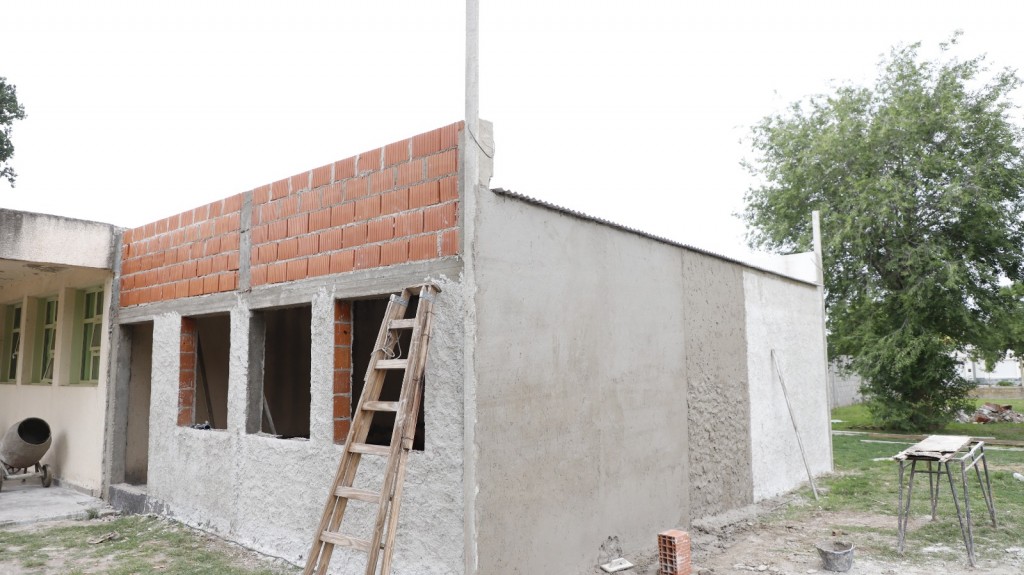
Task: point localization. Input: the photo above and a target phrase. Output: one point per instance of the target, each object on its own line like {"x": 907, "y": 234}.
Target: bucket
{"x": 25, "y": 443}
{"x": 836, "y": 555}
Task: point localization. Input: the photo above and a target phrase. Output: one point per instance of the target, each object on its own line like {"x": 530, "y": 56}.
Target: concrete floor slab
{"x": 28, "y": 502}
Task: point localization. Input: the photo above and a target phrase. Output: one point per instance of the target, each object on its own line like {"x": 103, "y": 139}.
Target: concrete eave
{"x": 44, "y": 239}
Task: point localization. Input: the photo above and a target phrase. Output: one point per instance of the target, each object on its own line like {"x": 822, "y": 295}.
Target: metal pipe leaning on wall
{"x": 25, "y": 443}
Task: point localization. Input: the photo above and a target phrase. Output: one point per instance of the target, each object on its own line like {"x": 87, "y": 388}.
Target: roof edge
{"x": 601, "y": 221}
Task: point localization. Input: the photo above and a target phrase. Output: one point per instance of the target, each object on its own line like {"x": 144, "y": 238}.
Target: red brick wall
{"x": 342, "y": 369}
{"x": 387, "y": 206}
{"x": 188, "y": 254}
{"x": 383, "y": 207}
{"x": 187, "y": 373}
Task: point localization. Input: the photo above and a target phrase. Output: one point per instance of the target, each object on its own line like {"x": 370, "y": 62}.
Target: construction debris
{"x": 991, "y": 413}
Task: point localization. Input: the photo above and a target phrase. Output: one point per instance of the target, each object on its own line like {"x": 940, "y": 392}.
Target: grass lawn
{"x": 857, "y": 418}
{"x": 142, "y": 545}
{"x": 865, "y": 483}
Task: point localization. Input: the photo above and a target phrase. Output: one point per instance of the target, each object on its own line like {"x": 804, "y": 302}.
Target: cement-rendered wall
{"x": 74, "y": 412}
{"x": 580, "y": 389}
{"x": 50, "y": 239}
{"x": 785, "y": 315}
{"x": 718, "y": 397}
{"x": 269, "y": 493}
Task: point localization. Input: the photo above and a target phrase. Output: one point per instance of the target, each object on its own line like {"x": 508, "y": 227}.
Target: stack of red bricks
{"x": 674, "y": 552}
{"x": 189, "y": 254}
{"x": 383, "y": 207}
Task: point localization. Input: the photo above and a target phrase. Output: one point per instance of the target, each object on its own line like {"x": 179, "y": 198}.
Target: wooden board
{"x": 935, "y": 447}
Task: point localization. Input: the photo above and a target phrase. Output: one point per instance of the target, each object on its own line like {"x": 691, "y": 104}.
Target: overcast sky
{"x": 630, "y": 111}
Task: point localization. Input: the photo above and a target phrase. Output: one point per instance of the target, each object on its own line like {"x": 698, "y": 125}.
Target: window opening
{"x": 92, "y": 335}
{"x": 49, "y": 340}
{"x": 287, "y": 361}
{"x": 367, "y": 316}
{"x": 203, "y": 384}
{"x": 12, "y": 337}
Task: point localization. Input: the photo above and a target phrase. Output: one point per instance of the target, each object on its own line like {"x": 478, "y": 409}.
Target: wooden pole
{"x": 792, "y": 417}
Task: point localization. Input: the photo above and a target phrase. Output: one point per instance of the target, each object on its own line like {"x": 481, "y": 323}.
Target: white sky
{"x": 630, "y": 111}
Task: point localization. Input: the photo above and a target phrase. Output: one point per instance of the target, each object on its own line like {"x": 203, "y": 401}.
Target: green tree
{"x": 10, "y": 110}
{"x": 919, "y": 181}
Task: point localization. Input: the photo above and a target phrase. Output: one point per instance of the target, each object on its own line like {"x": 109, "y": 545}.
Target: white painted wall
{"x": 785, "y": 316}
{"x": 75, "y": 413}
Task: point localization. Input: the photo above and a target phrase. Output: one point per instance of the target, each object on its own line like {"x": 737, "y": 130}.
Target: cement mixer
{"x": 21, "y": 448}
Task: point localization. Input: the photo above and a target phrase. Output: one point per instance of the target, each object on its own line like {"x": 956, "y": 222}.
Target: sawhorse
{"x": 943, "y": 451}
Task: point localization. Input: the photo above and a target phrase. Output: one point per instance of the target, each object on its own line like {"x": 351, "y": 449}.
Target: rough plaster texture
{"x": 581, "y": 427}
{"x": 786, "y": 316}
{"x": 75, "y": 413}
{"x": 268, "y": 493}
{"x": 50, "y": 239}
{"x": 717, "y": 399}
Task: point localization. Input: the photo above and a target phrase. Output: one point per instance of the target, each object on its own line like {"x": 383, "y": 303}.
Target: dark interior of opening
{"x": 367, "y": 316}
{"x": 213, "y": 349}
{"x": 286, "y": 369}
{"x": 34, "y": 431}
{"x": 136, "y": 449}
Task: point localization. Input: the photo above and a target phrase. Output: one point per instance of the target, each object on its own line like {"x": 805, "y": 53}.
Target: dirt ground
{"x": 755, "y": 540}
{"x": 741, "y": 543}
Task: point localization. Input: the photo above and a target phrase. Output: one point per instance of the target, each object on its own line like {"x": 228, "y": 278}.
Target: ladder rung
{"x": 392, "y": 363}
{"x": 402, "y": 323}
{"x": 382, "y": 450}
{"x": 345, "y": 541}
{"x": 381, "y": 406}
{"x": 358, "y": 494}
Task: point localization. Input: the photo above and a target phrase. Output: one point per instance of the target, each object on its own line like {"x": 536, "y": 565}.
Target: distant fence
{"x": 845, "y": 386}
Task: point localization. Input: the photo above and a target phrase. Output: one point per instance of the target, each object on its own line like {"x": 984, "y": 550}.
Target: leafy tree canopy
{"x": 10, "y": 110}
{"x": 919, "y": 181}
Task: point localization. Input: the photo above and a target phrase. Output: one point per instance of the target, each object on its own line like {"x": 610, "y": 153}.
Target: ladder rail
{"x": 334, "y": 509}
{"x": 406, "y": 411}
{"x": 386, "y": 511}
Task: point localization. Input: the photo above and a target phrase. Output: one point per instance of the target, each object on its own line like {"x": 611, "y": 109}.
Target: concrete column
{"x": 321, "y": 376}
{"x": 255, "y": 339}
{"x": 240, "y": 393}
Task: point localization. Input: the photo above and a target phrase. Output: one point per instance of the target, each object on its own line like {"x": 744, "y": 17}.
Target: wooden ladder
{"x": 384, "y": 358}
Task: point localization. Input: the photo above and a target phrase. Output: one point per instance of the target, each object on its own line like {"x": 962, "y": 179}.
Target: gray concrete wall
{"x": 785, "y": 315}
{"x": 845, "y": 386}
{"x": 268, "y": 493}
{"x": 43, "y": 238}
{"x": 579, "y": 375}
{"x": 718, "y": 397}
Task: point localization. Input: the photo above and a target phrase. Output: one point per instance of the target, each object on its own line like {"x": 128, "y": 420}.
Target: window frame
{"x": 47, "y": 353}
{"x": 11, "y": 336}
{"x": 86, "y": 329}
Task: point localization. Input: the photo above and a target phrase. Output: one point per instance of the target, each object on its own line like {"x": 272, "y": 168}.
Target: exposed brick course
{"x": 387, "y": 206}
{"x": 187, "y": 371}
{"x": 342, "y": 370}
